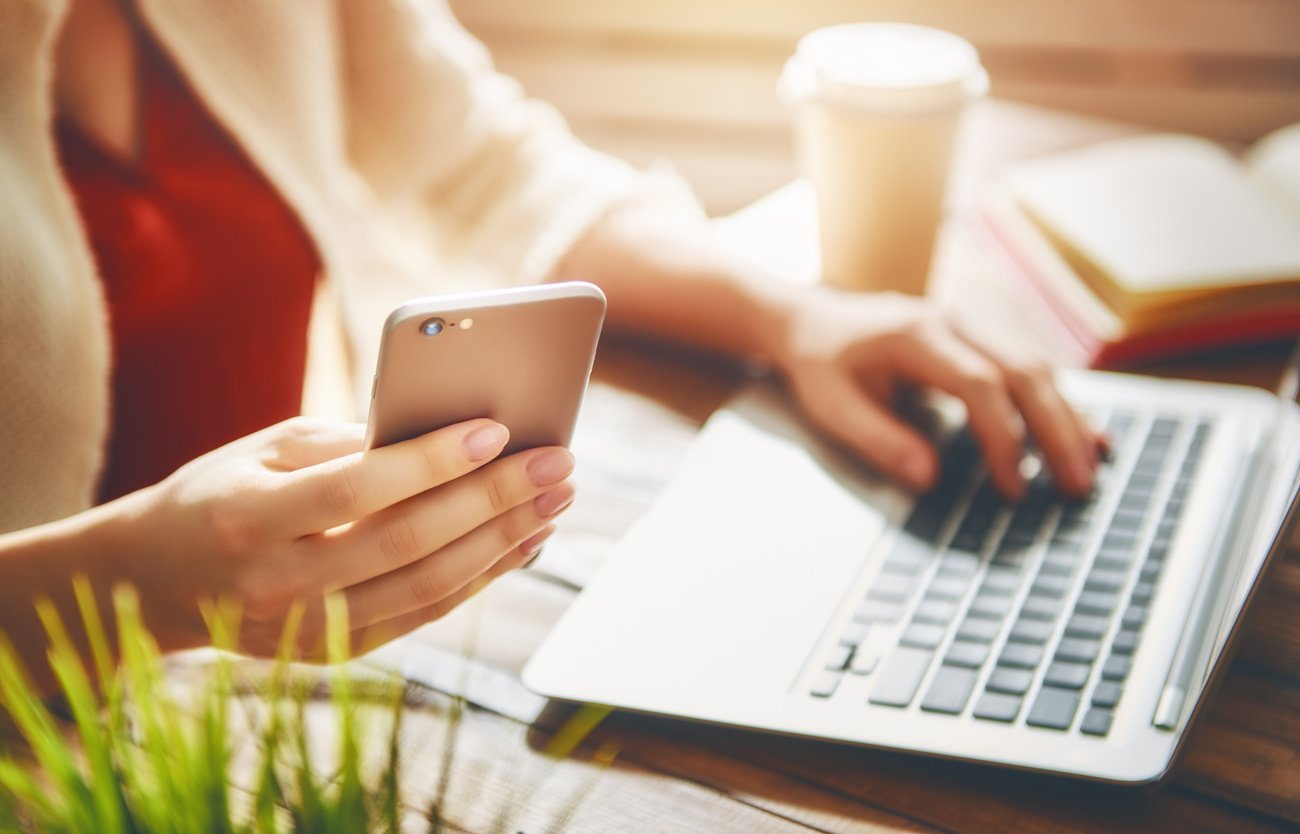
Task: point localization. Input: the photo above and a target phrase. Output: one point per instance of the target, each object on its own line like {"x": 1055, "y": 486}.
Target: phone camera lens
{"x": 432, "y": 327}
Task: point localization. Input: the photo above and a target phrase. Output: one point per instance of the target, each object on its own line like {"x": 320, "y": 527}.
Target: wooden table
{"x": 1240, "y": 773}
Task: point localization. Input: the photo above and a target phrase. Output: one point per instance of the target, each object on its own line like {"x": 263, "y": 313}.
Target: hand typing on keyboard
{"x": 849, "y": 357}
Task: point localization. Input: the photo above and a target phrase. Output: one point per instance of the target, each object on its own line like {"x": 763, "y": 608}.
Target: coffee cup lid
{"x": 896, "y": 67}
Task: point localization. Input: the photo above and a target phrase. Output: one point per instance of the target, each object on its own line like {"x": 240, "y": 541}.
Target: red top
{"x": 208, "y": 277}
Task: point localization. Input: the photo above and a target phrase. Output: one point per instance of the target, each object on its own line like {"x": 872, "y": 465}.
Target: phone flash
{"x": 466, "y": 324}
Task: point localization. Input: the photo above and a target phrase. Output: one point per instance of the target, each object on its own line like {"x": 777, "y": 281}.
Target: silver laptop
{"x": 780, "y": 586}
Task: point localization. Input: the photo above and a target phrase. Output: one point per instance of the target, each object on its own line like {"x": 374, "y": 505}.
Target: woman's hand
{"x": 849, "y": 357}
{"x": 294, "y": 512}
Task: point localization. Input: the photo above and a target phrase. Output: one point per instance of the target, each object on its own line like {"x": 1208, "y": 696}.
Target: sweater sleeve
{"x": 501, "y": 186}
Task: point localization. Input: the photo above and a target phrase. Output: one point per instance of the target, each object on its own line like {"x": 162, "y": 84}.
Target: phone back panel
{"x": 523, "y": 362}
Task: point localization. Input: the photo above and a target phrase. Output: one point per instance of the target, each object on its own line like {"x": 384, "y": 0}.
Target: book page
{"x": 1273, "y": 166}
{"x": 1162, "y": 213}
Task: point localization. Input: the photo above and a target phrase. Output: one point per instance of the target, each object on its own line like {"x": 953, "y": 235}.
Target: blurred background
{"x": 692, "y": 81}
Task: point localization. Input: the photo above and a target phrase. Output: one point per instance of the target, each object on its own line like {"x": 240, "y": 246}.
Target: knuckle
{"x": 342, "y": 492}
{"x": 236, "y": 528}
{"x": 433, "y": 462}
{"x": 425, "y": 588}
{"x": 1022, "y": 376}
{"x": 497, "y": 495}
{"x": 984, "y": 382}
{"x": 263, "y": 602}
{"x": 509, "y": 533}
{"x": 400, "y": 541}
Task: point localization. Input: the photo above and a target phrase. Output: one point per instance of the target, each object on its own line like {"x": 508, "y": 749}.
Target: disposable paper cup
{"x": 876, "y": 110}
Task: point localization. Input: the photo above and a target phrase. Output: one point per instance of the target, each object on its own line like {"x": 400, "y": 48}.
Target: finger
{"x": 847, "y": 414}
{"x": 953, "y": 366}
{"x": 341, "y": 490}
{"x": 372, "y": 637}
{"x": 447, "y": 570}
{"x": 1070, "y": 446}
{"x": 407, "y": 532}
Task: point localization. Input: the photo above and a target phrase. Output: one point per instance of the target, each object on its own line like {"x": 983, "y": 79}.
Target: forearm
{"x": 40, "y": 563}
{"x": 669, "y": 279}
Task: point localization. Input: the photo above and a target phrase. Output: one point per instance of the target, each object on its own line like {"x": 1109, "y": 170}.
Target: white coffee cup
{"x": 876, "y": 110}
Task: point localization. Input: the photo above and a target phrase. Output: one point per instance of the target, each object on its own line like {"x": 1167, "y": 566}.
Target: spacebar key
{"x": 900, "y": 677}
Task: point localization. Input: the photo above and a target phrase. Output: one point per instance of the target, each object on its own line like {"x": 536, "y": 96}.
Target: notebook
{"x": 1148, "y": 245}
{"x": 781, "y": 586}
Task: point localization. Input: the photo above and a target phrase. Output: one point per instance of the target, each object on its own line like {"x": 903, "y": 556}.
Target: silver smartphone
{"x": 519, "y": 356}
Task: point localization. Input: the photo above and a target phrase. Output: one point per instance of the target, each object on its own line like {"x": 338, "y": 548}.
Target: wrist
{"x": 126, "y": 536}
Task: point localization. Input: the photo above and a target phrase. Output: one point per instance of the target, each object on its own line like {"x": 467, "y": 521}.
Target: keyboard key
{"x": 923, "y": 635}
{"x": 1125, "y": 642}
{"x": 1128, "y": 519}
{"x": 1116, "y": 667}
{"x": 968, "y": 655}
{"x": 990, "y": 607}
{"x": 1097, "y": 603}
{"x": 1041, "y": 608}
{"x": 1031, "y": 631}
{"x": 951, "y": 588}
{"x": 1104, "y": 580}
{"x": 929, "y": 514}
{"x": 1106, "y": 694}
{"x": 891, "y": 587}
{"x": 1143, "y": 592}
{"x": 1150, "y": 571}
{"x": 838, "y": 658}
{"x": 1135, "y": 616}
{"x": 876, "y": 611}
{"x": 1111, "y": 560}
{"x": 899, "y": 678}
{"x": 864, "y": 662}
{"x": 1096, "y": 722}
{"x": 1078, "y": 650}
{"x": 1086, "y": 625}
{"x": 949, "y": 690}
{"x": 1011, "y": 555}
{"x": 1000, "y": 581}
{"x": 825, "y": 685}
{"x": 1067, "y": 675}
{"x": 1119, "y": 540}
{"x": 935, "y": 611}
{"x": 854, "y": 634}
{"x": 955, "y": 563}
{"x": 1059, "y": 563}
{"x": 994, "y": 706}
{"x": 975, "y": 630}
{"x": 1053, "y": 709}
{"x": 1010, "y": 681}
{"x": 1021, "y": 655}
{"x": 1047, "y": 585}
{"x": 1070, "y": 535}
{"x": 909, "y": 556}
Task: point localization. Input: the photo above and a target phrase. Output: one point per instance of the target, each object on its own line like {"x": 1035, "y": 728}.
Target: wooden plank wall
{"x": 692, "y": 81}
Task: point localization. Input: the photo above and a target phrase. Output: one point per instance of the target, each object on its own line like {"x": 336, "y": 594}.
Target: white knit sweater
{"x": 414, "y": 167}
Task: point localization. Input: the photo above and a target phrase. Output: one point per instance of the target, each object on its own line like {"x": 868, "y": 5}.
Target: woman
{"x": 177, "y": 174}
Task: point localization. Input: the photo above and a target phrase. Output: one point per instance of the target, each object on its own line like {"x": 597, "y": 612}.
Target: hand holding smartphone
{"x": 519, "y": 356}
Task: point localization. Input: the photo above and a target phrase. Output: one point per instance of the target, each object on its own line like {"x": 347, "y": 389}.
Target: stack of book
{"x": 1156, "y": 246}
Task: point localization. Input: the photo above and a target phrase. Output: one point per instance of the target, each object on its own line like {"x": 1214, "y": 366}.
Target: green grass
{"x": 136, "y": 759}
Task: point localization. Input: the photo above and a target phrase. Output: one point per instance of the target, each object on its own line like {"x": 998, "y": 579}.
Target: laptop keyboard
{"x": 1026, "y": 612}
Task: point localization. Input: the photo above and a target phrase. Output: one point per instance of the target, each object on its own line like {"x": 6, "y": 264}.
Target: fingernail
{"x": 532, "y": 546}
{"x": 550, "y": 503}
{"x": 485, "y": 441}
{"x": 550, "y": 466}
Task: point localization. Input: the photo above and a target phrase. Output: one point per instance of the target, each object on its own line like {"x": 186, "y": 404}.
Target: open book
{"x": 1159, "y": 244}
